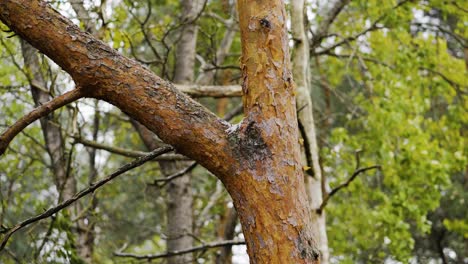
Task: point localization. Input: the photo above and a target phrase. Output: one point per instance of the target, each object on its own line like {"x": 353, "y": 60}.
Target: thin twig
{"x": 130, "y": 153}
{"x": 328, "y": 20}
{"x": 234, "y": 112}
{"x": 40, "y": 111}
{"x": 374, "y": 26}
{"x": 356, "y": 172}
{"x": 93, "y": 187}
{"x": 164, "y": 181}
{"x": 181, "y": 252}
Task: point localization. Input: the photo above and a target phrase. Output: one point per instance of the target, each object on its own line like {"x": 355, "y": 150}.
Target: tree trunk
{"x": 55, "y": 146}
{"x": 258, "y": 161}
{"x": 301, "y": 73}
{"x": 180, "y": 197}
{"x": 269, "y": 152}
{"x": 227, "y": 232}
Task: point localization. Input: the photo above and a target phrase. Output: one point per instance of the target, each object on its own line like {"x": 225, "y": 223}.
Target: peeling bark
{"x": 268, "y": 144}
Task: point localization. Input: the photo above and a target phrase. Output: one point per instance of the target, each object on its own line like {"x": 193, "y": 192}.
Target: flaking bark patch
{"x": 248, "y": 145}
{"x": 252, "y": 146}
{"x": 307, "y": 247}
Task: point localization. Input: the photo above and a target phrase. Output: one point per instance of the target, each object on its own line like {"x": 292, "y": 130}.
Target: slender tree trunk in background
{"x": 186, "y": 47}
{"x": 180, "y": 197}
{"x": 227, "y": 232}
{"x": 87, "y": 222}
{"x": 179, "y": 211}
{"x": 301, "y": 72}
{"x": 54, "y": 142}
{"x": 259, "y": 161}
{"x": 85, "y": 239}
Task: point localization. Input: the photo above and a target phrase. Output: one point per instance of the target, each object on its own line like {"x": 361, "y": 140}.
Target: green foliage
{"x": 411, "y": 114}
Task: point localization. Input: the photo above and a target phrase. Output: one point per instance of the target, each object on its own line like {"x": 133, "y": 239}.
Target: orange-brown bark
{"x": 269, "y": 193}
{"x": 258, "y": 161}
{"x": 103, "y": 73}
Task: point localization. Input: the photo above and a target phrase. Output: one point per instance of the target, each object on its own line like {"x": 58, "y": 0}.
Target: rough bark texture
{"x": 268, "y": 143}
{"x": 301, "y": 72}
{"x": 259, "y": 161}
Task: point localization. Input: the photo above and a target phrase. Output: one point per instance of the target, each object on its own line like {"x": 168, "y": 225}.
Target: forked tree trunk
{"x": 258, "y": 161}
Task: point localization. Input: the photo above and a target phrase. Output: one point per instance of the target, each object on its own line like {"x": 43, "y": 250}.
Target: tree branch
{"x": 93, "y": 187}
{"x": 356, "y": 172}
{"x": 105, "y": 74}
{"x": 40, "y": 111}
{"x": 178, "y": 174}
{"x": 210, "y": 90}
{"x": 374, "y": 26}
{"x": 324, "y": 26}
{"x": 181, "y": 252}
{"x": 126, "y": 152}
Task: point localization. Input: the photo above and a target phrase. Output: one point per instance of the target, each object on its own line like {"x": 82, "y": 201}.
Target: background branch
{"x": 181, "y": 252}
{"x": 93, "y": 187}
{"x": 40, "y": 111}
{"x": 356, "y": 172}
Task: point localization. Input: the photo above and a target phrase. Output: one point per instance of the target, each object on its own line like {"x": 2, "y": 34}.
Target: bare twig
{"x": 40, "y": 111}
{"x": 356, "y": 172}
{"x": 211, "y": 90}
{"x": 374, "y": 26}
{"x": 164, "y": 181}
{"x": 181, "y": 252}
{"x": 93, "y": 187}
{"x": 234, "y": 112}
{"x": 324, "y": 26}
{"x": 125, "y": 152}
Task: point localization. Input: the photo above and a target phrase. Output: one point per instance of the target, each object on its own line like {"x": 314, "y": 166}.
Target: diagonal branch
{"x": 324, "y": 26}
{"x": 162, "y": 182}
{"x": 40, "y": 111}
{"x": 130, "y": 153}
{"x": 356, "y": 172}
{"x": 93, "y": 187}
{"x": 374, "y": 26}
{"x": 181, "y": 252}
